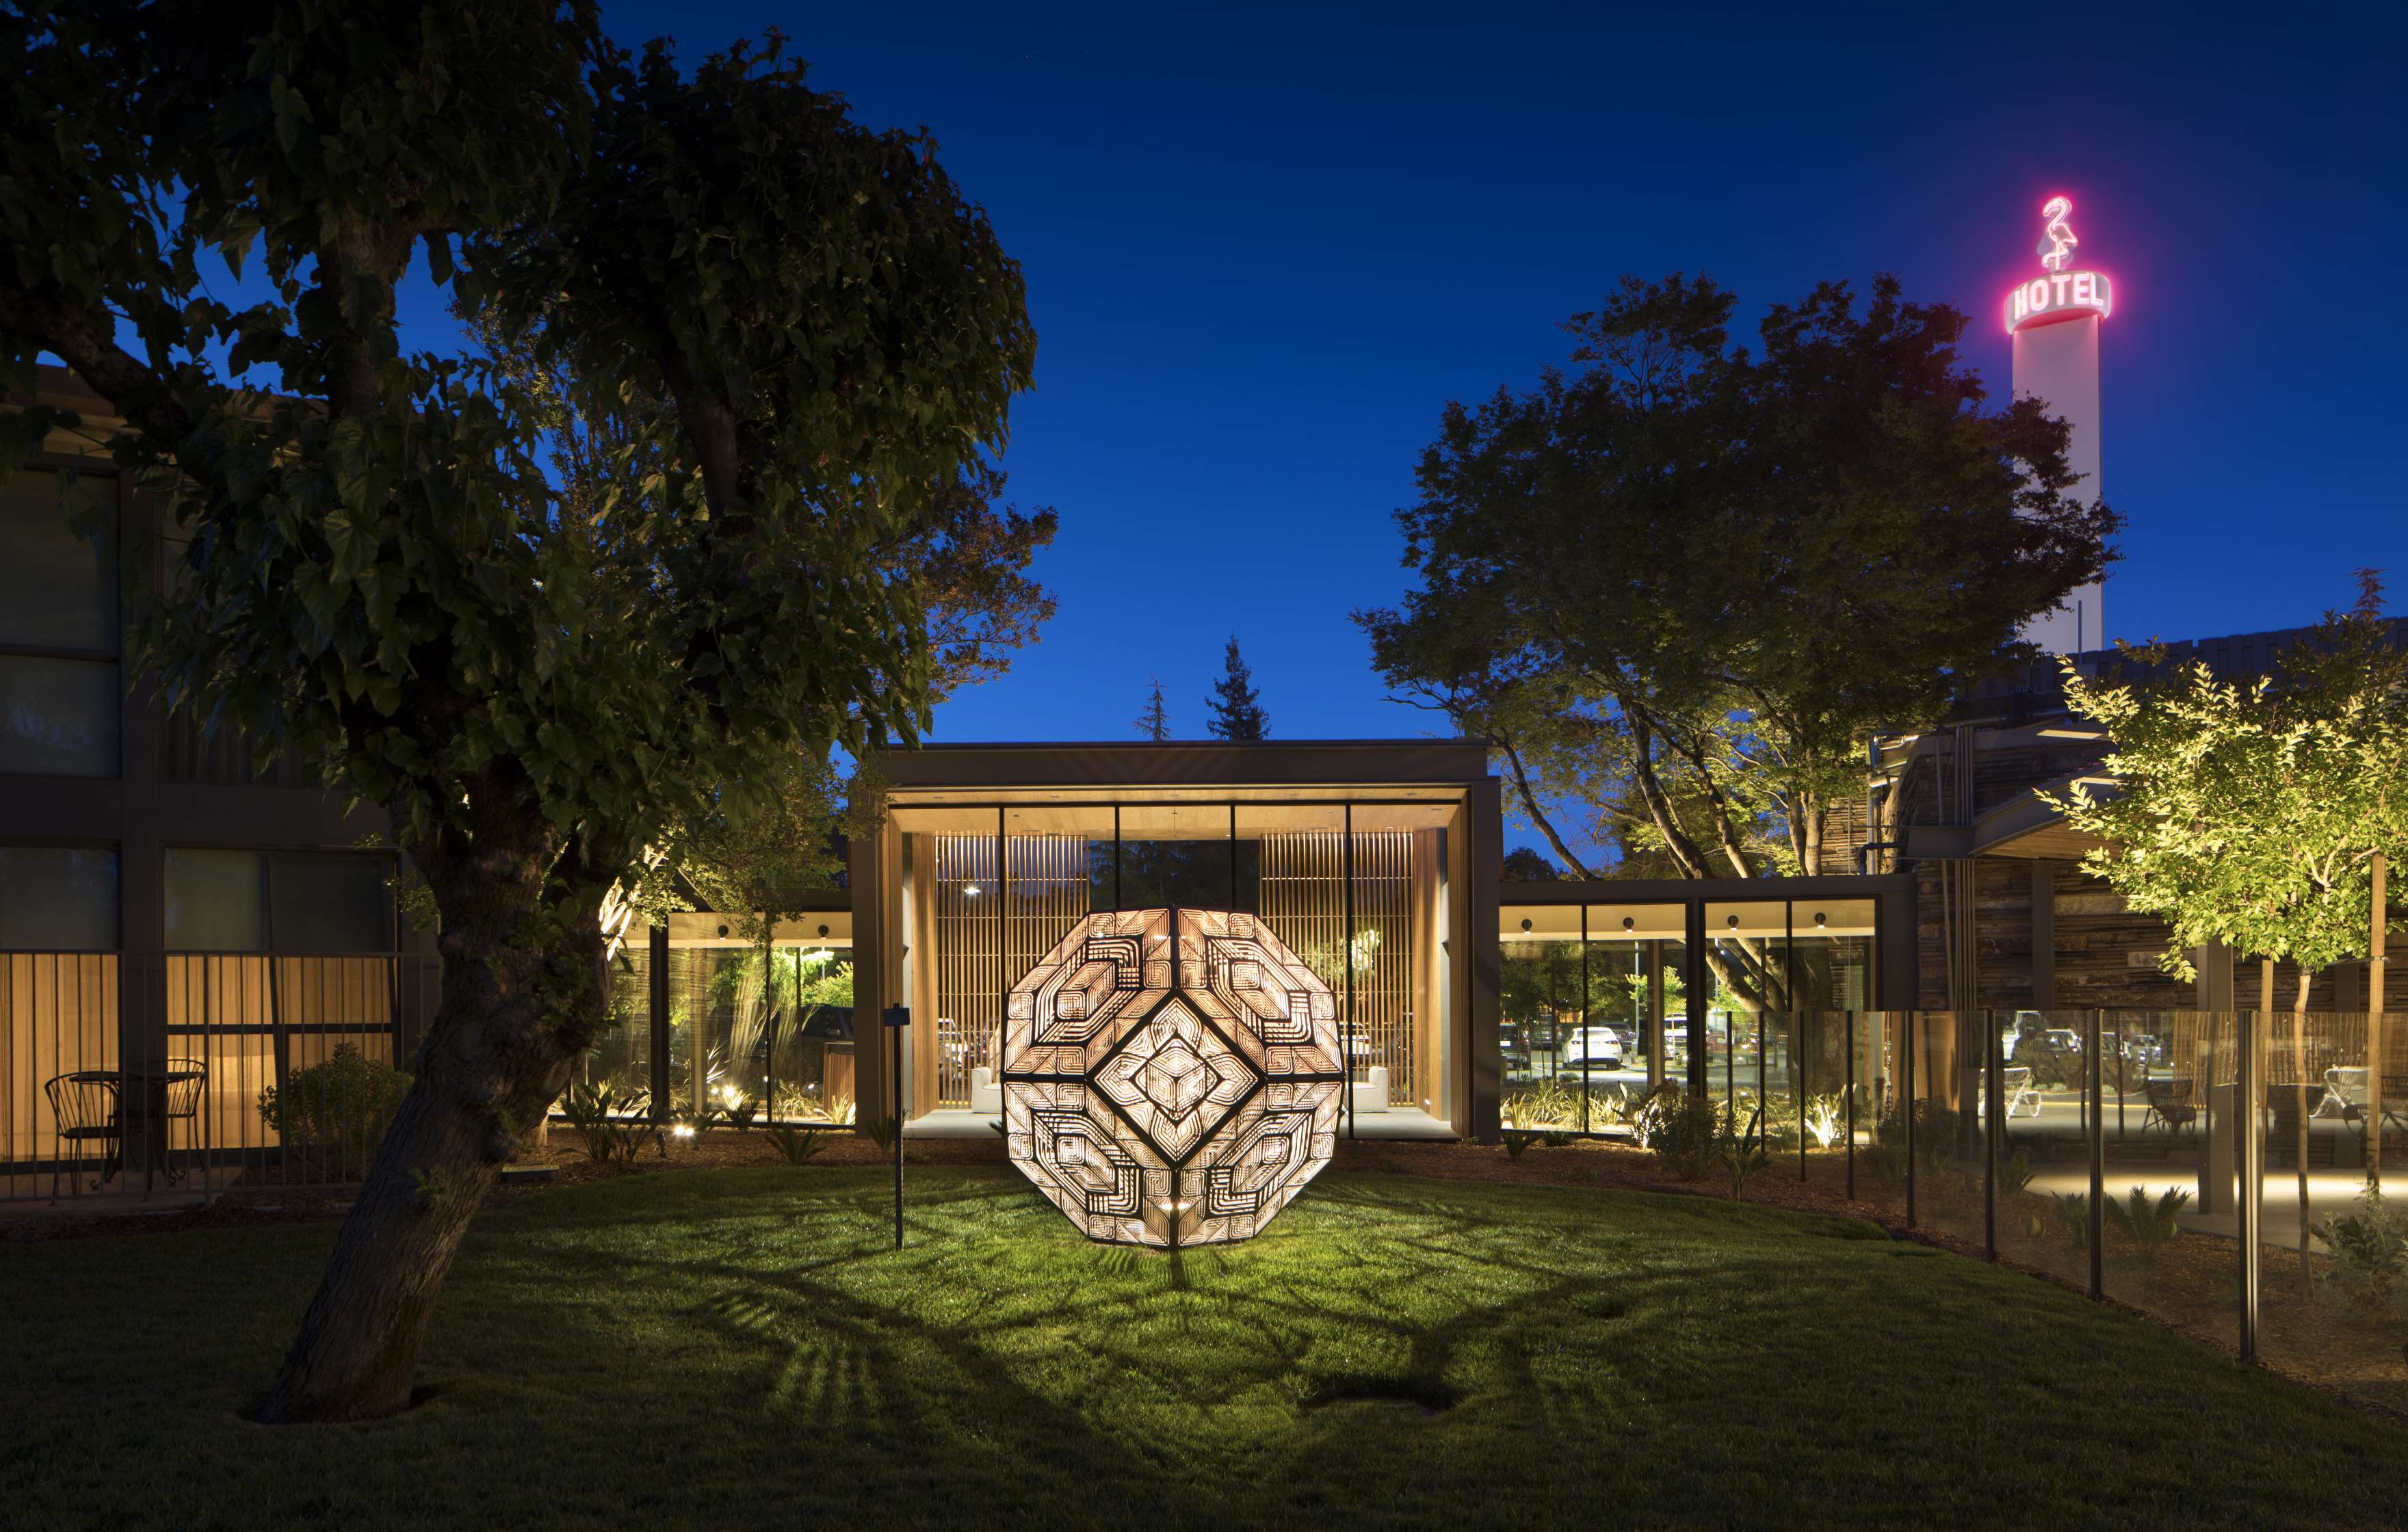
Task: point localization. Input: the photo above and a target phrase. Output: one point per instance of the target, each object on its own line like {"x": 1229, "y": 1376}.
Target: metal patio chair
{"x": 2170, "y": 1104}
{"x": 84, "y": 1106}
{"x": 2015, "y": 1087}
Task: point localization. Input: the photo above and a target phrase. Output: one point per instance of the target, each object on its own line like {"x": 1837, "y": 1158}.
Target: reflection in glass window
{"x": 57, "y": 899}
{"x": 330, "y": 904}
{"x": 214, "y": 902}
{"x": 57, "y": 589}
{"x": 1638, "y": 966}
{"x": 58, "y": 717}
{"x": 247, "y": 901}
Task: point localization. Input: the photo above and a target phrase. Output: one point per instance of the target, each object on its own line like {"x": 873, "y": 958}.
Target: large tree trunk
{"x": 523, "y": 996}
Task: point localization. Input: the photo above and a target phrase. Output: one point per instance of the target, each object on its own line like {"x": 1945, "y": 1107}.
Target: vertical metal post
{"x": 2251, "y": 1151}
{"x": 1848, "y": 1025}
{"x": 656, "y": 1000}
{"x": 2376, "y": 970}
{"x": 896, "y": 1033}
{"x": 1002, "y": 954}
{"x": 1117, "y": 906}
{"x": 1233, "y": 891}
{"x": 1347, "y": 820}
{"x": 1906, "y": 1106}
{"x": 2095, "y": 1076}
{"x": 1583, "y": 1018}
{"x": 1993, "y": 1130}
{"x": 2123, "y": 1044}
{"x": 1797, "y": 1052}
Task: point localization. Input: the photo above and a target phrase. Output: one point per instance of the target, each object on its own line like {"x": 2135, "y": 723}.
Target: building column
{"x": 2043, "y": 935}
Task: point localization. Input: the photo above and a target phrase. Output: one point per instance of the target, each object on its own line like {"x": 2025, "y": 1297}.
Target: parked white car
{"x": 1598, "y": 1047}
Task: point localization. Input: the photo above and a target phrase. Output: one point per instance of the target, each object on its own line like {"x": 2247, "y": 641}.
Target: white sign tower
{"x": 2054, "y": 320}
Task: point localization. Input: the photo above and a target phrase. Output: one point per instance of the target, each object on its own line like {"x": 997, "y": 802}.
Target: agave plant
{"x": 2150, "y": 1224}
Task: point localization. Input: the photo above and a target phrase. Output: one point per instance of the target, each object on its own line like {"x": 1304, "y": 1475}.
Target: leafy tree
{"x": 1679, "y": 586}
{"x": 805, "y": 330}
{"x": 1525, "y": 866}
{"x": 1153, "y": 722}
{"x": 2251, "y": 812}
{"x": 1236, "y": 707}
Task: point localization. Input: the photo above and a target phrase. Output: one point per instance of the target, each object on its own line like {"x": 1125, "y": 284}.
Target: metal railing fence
{"x": 215, "y": 1071}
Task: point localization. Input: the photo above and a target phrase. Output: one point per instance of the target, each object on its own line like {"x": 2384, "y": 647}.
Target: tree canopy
{"x": 1679, "y": 584}
{"x": 2250, "y": 812}
{"x": 804, "y": 335}
{"x": 1234, "y": 710}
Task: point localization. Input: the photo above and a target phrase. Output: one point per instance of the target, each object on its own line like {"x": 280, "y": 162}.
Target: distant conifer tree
{"x": 1237, "y": 707}
{"x": 1155, "y": 722}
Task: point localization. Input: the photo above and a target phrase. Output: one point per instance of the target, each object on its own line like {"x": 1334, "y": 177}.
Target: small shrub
{"x": 1542, "y": 1104}
{"x": 2150, "y": 1224}
{"x": 840, "y": 1108}
{"x": 1740, "y": 1156}
{"x": 798, "y": 1144}
{"x": 1679, "y": 1129}
{"x": 2016, "y": 1174}
{"x": 2072, "y": 1215}
{"x": 336, "y": 1111}
{"x": 882, "y": 1133}
{"x": 1517, "y": 1139}
{"x": 2369, "y": 1253}
{"x": 740, "y": 1115}
{"x": 1557, "y": 1137}
{"x": 1827, "y": 1119}
{"x": 611, "y": 1124}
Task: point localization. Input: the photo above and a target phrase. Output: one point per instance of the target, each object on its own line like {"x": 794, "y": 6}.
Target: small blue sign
{"x": 898, "y": 1016}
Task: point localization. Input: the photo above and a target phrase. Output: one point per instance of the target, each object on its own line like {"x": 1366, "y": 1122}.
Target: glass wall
{"x": 59, "y": 679}
{"x": 754, "y": 1035}
{"x": 1356, "y": 890}
{"x": 1593, "y": 1010}
{"x": 1541, "y": 1011}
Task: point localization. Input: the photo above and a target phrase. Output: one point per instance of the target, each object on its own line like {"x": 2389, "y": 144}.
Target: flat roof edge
{"x": 1320, "y": 763}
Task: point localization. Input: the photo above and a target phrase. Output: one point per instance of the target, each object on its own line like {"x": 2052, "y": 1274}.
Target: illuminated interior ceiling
{"x": 1171, "y": 1076}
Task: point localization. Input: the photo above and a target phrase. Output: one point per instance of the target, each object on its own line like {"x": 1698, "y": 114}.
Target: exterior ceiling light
{"x": 1821, "y": 918}
{"x": 1170, "y": 1097}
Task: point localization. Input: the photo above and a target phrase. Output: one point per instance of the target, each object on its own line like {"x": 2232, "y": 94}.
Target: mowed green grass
{"x": 741, "y": 1347}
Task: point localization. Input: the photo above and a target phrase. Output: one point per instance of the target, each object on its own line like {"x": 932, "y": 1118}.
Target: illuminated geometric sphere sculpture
{"x": 1171, "y": 1076}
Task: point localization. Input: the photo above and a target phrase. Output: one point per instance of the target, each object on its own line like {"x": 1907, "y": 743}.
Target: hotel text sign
{"x": 2060, "y": 296}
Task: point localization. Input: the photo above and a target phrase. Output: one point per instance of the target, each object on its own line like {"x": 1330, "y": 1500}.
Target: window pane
{"x": 213, "y": 902}
{"x": 1639, "y": 1000}
{"x": 53, "y": 898}
{"x": 1178, "y": 853}
{"x": 58, "y": 718}
{"x": 56, "y": 590}
{"x": 331, "y": 904}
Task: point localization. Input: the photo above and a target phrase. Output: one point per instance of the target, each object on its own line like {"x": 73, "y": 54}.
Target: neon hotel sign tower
{"x": 2054, "y": 319}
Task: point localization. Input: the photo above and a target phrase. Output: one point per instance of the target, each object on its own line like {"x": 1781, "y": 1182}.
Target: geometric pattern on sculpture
{"x": 1171, "y": 1076}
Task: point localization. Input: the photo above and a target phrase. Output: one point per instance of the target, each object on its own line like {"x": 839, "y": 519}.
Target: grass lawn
{"x": 737, "y": 1348}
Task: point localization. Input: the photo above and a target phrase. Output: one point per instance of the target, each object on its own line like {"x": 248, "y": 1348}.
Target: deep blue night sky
{"x": 1265, "y": 246}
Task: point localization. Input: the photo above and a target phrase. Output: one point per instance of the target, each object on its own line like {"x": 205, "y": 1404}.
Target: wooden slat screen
{"x": 1303, "y": 900}
{"x": 1044, "y": 895}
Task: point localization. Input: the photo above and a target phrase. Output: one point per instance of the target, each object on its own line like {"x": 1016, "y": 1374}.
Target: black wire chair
{"x": 84, "y": 1106}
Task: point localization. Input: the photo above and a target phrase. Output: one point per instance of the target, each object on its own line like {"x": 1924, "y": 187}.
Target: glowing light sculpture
{"x": 1171, "y": 1076}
